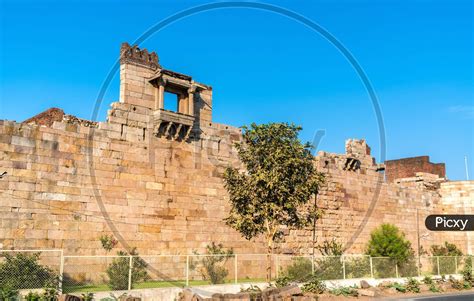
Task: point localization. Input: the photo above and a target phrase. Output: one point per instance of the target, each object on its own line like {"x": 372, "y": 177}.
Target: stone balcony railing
{"x": 172, "y": 125}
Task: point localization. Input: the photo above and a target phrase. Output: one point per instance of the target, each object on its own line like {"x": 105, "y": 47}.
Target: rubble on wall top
{"x": 51, "y": 115}
{"x": 134, "y": 54}
{"x": 46, "y": 118}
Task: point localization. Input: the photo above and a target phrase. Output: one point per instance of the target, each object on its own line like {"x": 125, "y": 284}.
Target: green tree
{"x": 277, "y": 184}
{"x": 388, "y": 241}
{"x": 23, "y": 271}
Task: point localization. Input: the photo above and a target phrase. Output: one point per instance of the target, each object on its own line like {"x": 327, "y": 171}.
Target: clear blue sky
{"x": 264, "y": 67}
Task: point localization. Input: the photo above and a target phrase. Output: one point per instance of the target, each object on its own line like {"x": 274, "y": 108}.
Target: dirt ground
{"x": 383, "y": 292}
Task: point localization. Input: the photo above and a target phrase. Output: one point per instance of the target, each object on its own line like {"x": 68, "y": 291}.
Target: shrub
{"x": 447, "y": 249}
{"x": 299, "y": 270}
{"x": 32, "y": 296}
{"x": 212, "y": 266}
{"x": 446, "y": 259}
{"x": 8, "y": 294}
{"x": 22, "y": 271}
{"x": 50, "y": 294}
{"x": 331, "y": 248}
{"x": 467, "y": 285}
{"x": 357, "y": 267}
{"x": 467, "y": 270}
{"x": 345, "y": 291}
{"x": 434, "y": 289}
{"x": 388, "y": 241}
{"x": 413, "y": 285}
{"x": 315, "y": 286}
{"x": 428, "y": 280}
{"x": 88, "y": 296}
{"x": 399, "y": 287}
{"x": 329, "y": 268}
{"x": 282, "y": 281}
{"x": 118, "y": 271}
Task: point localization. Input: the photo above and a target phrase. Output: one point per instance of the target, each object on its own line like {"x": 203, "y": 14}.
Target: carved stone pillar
{"x": 191, "y": 100}
{"x": 160, "y": 95}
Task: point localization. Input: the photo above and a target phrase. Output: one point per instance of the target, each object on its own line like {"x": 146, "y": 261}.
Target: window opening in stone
{"x": 171, "y": 101}
{"x": 352, "y": 164}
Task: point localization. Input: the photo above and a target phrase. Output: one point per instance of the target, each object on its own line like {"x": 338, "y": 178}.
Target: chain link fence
{"x": 38, "y": 269}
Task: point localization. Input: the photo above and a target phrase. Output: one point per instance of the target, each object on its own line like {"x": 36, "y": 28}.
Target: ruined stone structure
{"x": 153, "y": 178}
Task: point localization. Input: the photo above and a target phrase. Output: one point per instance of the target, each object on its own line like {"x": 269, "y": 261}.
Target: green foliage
{"x": 447, "y": 260}
{"x": 108, "y": 242}
{"x": 278, "y": 182}
{"x": 428, "y": 280}
{"x": 448, "y": 249}
{"x": 8, "y": 293}
{"x": 329, "y": 268}
{"x": 32, "y": 296}
{"x": 22, "y": 271}
{"x": 434, "y": 288}
{"x": 413, "y": 285}
{"x": 467, "y": 285}
{"x": 331, "y": 248}
{"x": 357, "y": 267}
{"x": 345, "y": 291}
{"x": 50, "y": 294}
{"x": 467, "y": 270}
{"x": 315, "y": 286}
{"x": 389, "y": 241}
{"x": 282, "y": 281}
{"x": 118, "y": 270}
{"x": 213, "y": 266}
{"x": 299, "y": 270}
{"x": 399, "y": 287}
{"x": 88, "y": 296}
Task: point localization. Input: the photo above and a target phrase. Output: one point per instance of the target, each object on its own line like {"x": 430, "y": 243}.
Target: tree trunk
{"x": 269, "y": 260}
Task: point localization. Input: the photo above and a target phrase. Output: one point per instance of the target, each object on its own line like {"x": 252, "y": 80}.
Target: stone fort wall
{"x": 153, "y": 179}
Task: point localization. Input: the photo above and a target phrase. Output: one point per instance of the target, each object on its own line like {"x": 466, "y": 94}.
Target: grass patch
{"x": 93, "y": 288}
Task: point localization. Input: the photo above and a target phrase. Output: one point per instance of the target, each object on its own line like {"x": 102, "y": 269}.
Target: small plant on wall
{"x": 108, "y": 242}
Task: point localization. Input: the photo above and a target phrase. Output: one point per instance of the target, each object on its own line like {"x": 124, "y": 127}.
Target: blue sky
{"x": 264, "y": 67}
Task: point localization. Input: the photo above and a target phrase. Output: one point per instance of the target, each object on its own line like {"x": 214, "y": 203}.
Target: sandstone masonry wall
{"x": 73, "y": 181}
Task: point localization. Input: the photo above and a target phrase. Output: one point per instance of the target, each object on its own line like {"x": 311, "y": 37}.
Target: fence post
{"x": 396, "y": 270}
{"x": 343, "y": 268}
{"x": 437, "y": 264}
{"x": 277, "y": 265}
{"x": 371, "y": 268}
{"x": 187, "y": 270}
{"x": 455, "y": 265}
{"x": 130, "y": 267}
{"x": 235, "y": 269}
{"x": 418, "y": 266}
{"x": 61, "y": 272}
{"x": 312, "y": 264}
